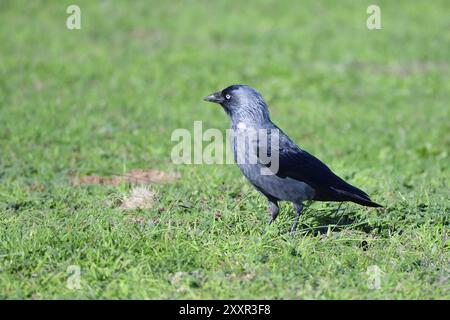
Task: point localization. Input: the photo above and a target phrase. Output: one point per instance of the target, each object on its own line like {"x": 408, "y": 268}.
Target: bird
{"x": 277, "y": 167}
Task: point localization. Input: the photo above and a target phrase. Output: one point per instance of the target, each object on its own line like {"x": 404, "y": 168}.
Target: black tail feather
{"x": 361, "y": 198}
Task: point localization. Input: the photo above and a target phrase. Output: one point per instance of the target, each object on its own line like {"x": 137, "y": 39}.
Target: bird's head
{"x": 241, "y": 102}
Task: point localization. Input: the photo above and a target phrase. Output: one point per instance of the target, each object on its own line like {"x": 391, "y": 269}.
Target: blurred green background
{"x": 102, "y": 100}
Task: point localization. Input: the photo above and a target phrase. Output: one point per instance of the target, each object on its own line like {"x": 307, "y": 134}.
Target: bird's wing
{"x": 298, "y": 164}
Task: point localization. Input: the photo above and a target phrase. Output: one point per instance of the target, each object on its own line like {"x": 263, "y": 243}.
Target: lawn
{"x": 104, "y": 100}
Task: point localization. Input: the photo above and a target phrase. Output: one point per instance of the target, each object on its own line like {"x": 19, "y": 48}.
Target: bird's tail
{"x": 360, "y": 198}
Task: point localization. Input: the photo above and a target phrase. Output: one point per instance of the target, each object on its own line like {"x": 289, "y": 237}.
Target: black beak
{"x": 215, "y": 97}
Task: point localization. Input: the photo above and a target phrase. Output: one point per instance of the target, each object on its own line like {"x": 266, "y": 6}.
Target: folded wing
{"x": 302, "y": 166}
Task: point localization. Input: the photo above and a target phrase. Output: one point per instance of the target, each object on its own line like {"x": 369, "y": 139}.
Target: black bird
{"x": 295, "y": 175}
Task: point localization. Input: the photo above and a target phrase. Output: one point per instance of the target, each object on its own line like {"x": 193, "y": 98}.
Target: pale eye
{"x": 227, "y": 97}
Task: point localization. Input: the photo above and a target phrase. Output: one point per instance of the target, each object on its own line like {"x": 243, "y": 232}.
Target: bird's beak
{"x": 215, "y": 97}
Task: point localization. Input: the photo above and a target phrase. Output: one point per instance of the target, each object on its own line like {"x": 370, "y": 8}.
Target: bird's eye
{"x": 227, "y": 96}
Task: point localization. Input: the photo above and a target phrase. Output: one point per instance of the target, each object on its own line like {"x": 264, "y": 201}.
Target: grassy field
{"x": 104, "y": 100}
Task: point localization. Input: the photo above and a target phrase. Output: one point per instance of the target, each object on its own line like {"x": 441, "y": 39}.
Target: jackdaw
{"x": 279, "y": 169}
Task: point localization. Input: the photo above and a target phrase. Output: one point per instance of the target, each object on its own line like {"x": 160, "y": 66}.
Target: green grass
{"x": 373, "y": 105}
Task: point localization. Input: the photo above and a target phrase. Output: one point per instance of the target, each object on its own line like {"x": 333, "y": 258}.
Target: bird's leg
{"x": 298, "y": 208}
{"x": 273, "y": 210}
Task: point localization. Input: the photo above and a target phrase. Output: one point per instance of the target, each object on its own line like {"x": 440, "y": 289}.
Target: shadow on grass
{"x": 337, "y": 218}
